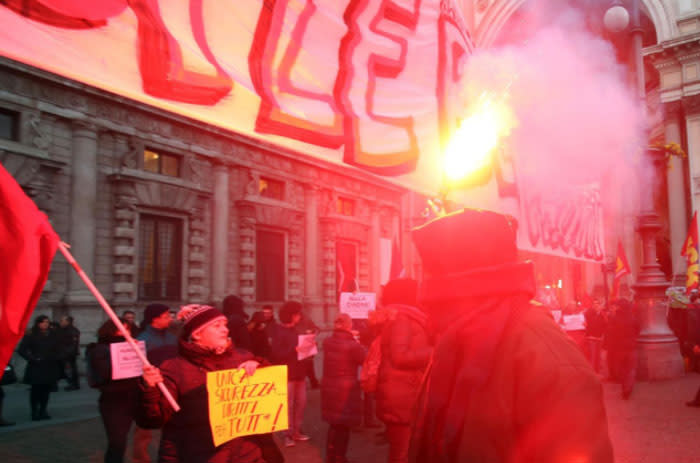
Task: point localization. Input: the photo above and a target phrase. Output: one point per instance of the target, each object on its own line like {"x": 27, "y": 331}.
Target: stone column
{"x": 83, "y": 224}
{"x": 677, "y": 204}
{"x": 219, "y": 249}
{"x": 312, "y": 263}
{"x": 374, "y": 237}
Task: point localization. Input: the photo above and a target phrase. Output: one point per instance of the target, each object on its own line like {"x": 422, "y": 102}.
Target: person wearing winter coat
{"x": 595, "y": 330}
{"x": 406, "y": 352}
{"x": 341, "y": 400}
{"x": 233, "y": 308}
{"x": 624, "y": 330}
{"x": 505, "y": 383}
{"x": 118, "y": 398}
{"x": 40, "y": 349}
{"x": 284, "y": 346}
{"x": 69, "y": 347}
{"x": 204, "y": 346}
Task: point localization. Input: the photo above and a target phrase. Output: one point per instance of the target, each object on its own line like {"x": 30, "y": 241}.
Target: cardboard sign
{"x": 125, "y": 362}
{"x": 242, "y": 405}
{"x": 357, "y": 305}
{"x": 574, "y": 322}
{"x": 307, "y": 346}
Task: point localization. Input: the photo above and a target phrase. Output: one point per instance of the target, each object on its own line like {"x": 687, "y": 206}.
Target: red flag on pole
{"x": 622, "y": 268}
{"x": 690, "y": 252}
{"x": 396, "y": 270}
{"x": 27, "y": 246}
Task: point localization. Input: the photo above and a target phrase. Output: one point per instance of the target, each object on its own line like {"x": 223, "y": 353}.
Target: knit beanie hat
{"x": 195, "y": 317}
{"x": 153, "y": 311}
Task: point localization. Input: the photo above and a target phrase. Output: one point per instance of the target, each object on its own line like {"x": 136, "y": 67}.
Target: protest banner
{"x": 125, "y": 361}
{"x": 307, "y": 346}
{"x": 357, "y": 305}
{"x": 242, "y": 405}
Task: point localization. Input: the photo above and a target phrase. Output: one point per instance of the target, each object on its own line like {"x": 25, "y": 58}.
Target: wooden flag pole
{"x": 64, "y": 250}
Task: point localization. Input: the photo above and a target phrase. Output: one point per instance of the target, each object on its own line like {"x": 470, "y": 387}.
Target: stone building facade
{"x": 157, "y": 207}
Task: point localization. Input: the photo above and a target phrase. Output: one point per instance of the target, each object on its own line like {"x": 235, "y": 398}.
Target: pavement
{"x": 653, "y": 426}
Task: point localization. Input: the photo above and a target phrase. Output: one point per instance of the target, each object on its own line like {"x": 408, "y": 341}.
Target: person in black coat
{"x": 259, "y": 341}
{"x": 341, "y": 401}
{"x": 40, "y": 349}
{"x": 232, "y": 307}
{"x": 624, "y": 330}
{"x": 118, "y": 398}
{"x": 69, "y": 345}
{"x": 595, "y": 330}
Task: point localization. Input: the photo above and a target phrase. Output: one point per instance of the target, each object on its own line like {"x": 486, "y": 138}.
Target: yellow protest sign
{"x": 242, "y": 405}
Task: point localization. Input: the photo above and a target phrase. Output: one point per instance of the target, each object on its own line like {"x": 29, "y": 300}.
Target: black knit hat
{"x": 153, "y": 311}
{"x": 195, "y": 317}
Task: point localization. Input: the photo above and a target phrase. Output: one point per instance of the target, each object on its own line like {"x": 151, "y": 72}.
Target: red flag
{"x": 690, "y": 252}
{"x": 396, "y": 270}
{"x": 27, "y": 246}
{"x": 622, "y": 268}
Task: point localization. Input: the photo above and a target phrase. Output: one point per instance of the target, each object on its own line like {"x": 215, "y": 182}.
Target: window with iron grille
{"x": 161, "y": 162}
{"x": 9, "y": 124}
{"x": 270, "y": 268}
{"x": 160, "y": 258}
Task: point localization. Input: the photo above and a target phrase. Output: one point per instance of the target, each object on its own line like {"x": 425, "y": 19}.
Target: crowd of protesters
{"x": 458, "y": 367}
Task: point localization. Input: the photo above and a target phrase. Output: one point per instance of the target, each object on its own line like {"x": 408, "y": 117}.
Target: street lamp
{"x": 659, "y": 356}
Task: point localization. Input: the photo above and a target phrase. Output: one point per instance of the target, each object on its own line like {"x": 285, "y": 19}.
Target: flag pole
{"x": 64, "y": 250}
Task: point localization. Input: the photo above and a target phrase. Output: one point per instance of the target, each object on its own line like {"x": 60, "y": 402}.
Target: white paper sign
{"x": 574, "y": 322}
{"x": 307, "y": 346}
{"x": 357, "y": 305}
{"x": 125, "y": 362}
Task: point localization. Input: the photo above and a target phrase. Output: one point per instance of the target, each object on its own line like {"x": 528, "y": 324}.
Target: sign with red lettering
{"x": 348, "y": 81}
{"x": 242, "y": 405}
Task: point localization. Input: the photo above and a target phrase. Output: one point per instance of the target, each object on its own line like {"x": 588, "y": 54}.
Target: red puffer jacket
{"x": 406, "y": 352}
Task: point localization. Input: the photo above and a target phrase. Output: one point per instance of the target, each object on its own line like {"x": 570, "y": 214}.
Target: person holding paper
{"x": 341, "y": 401}
{"x": 118, "y": 398}
{"x": 203, "y": 346}
{"x": 284, "y": 351}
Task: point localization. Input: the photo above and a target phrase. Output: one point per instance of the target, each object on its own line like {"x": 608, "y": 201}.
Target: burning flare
{"x": 468, "y": 152}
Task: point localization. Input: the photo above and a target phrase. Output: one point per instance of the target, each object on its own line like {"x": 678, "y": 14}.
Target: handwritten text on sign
{"x": 357, "y": 305}
{"x": 241, "y": 405}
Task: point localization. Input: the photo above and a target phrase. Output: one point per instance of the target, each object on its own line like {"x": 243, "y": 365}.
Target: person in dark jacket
{"x": 118, "y": 398}
{"x": 406, "y": 352}
{"x": 259, "y": 341}
{"x": 283, "y": 351}
{"x": 624, "y": 330}
{"x": 161, "y": 345}
{"x": 232, "y": 306}
{"x": 40, "y": 349}
{"x": 595, "y": 330}
{"x": 204, "y": 346}
{"x": 341, "y": 402}
{"x": 69, "y": 348}
{"x": 505, "y": 383}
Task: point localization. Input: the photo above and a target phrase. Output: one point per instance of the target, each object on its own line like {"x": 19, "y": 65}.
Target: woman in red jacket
{"x": 204, "y": 346}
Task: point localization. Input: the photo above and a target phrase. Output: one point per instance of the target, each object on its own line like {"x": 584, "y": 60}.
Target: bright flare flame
{"x": 469, "y": 149}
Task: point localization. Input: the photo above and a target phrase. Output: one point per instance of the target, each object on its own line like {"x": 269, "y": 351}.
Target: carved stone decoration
{"x": 252, "y": 185}
{"x": 35, "y": 176}
{"x": 130, "y": 158}
{"x": 39, "y": 133}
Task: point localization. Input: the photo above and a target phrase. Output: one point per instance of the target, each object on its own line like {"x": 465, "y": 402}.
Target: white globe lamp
{"x": 616, "y": 19}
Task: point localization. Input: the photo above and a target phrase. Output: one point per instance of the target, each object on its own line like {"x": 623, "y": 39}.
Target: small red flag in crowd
{"x": 690, "y": 252}
{"x": 27, "y": 246}
{"x": 622, "y": 268}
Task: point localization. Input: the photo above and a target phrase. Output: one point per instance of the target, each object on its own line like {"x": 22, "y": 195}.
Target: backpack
{"x": 94, "y": 378}
{"x": 370, "y": 367}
